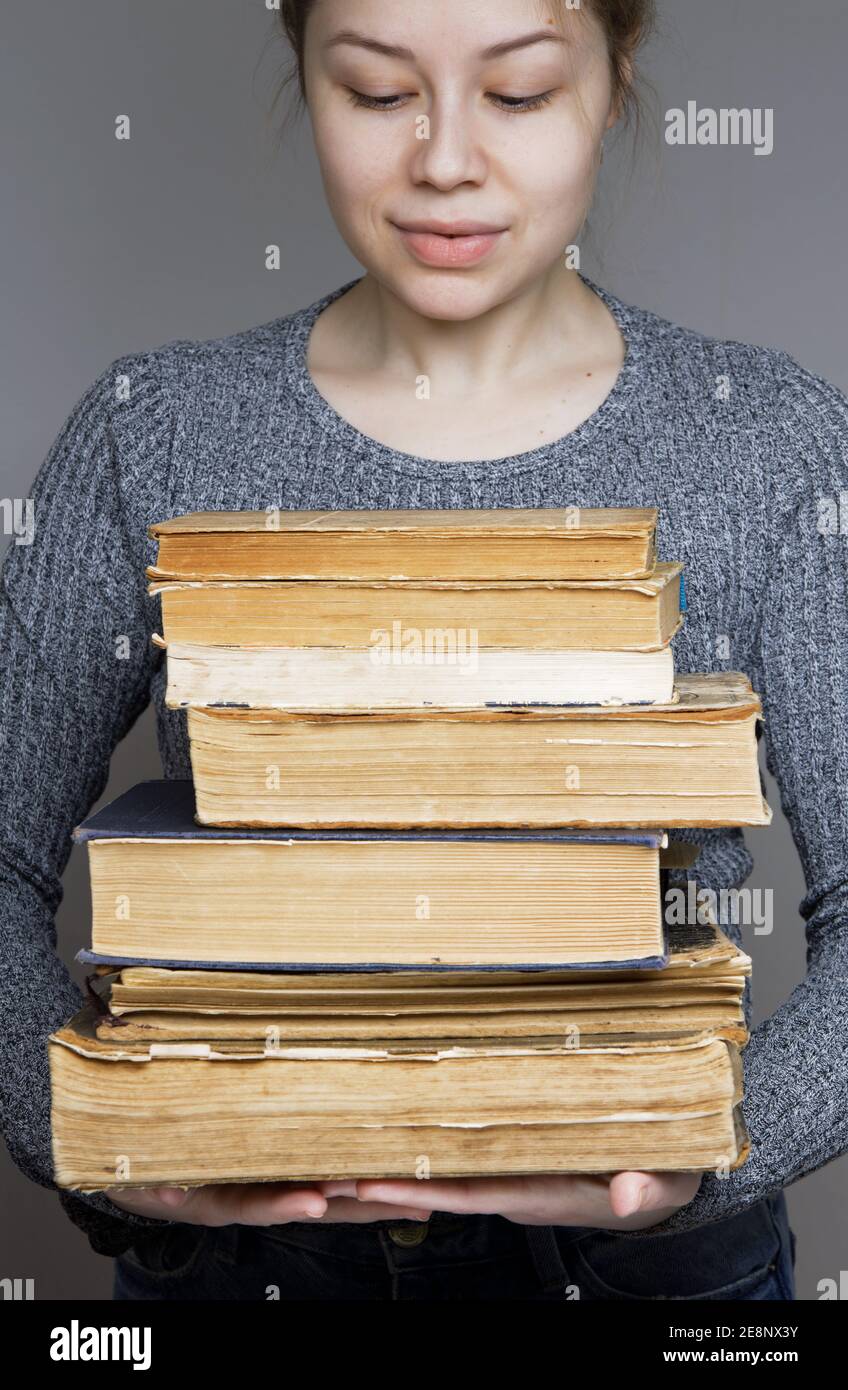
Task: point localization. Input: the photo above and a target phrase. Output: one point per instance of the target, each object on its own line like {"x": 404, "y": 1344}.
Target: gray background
{"x": 111, "y": 247}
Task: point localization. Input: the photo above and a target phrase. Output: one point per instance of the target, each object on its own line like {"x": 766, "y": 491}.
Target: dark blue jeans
{"x": 750, "y": 1256}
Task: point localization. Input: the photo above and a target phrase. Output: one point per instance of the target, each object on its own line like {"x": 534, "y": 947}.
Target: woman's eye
{"x": 374, "y": 103}
{"x": 520, "y": 103}
{"x": 396, "y": 100}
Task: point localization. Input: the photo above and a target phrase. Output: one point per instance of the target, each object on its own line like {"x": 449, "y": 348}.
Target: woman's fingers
{"x": 463, "y": 1196}
{"x": 339, "y": 1187}
{"x": 225, "y": 1204}
{"x": 554, "y": 1199}
{"x": 648, "y": 1198}
{"x": 259, "y": 1204}
{"x": 620, "y": 1201}
{"x": 350, "y": 1209}
{"x": 261, "y": 1209}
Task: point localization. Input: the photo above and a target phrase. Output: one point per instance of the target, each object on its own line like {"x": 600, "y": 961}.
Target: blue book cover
{"x": 165, "y": 809}
{"x": 92, "y": 958}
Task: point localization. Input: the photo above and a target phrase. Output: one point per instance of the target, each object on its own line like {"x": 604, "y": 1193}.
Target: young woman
{"x": 459, "y": 146}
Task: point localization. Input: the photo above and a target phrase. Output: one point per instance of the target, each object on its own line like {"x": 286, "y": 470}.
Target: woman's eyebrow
{"x": 350, "y": 36}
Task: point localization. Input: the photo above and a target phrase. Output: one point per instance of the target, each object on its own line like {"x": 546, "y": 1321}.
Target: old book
{"x": 714, "y": 1010}
{"x": 405, "y": 622}
{"x": 386, "y": 645}
{"x": 689, "y": 763}
{"x": 401, "y": 644}
{"x": 130, "y": 1113}
{"x": 165, "y": 890}
{"x": 322, "y": 679}
{"x": 700, "y": 988}
{"x": 696, "y": 951}
{"x": 539, "y": 543}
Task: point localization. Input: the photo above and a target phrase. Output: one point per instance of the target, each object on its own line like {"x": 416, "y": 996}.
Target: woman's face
{"x": 483, "y": 118}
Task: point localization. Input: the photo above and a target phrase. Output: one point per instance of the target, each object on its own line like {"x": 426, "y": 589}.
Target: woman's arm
{"x": 74, "y": 632}
{"x": 796, "y": 1063}
{"x": 75, "y": 624}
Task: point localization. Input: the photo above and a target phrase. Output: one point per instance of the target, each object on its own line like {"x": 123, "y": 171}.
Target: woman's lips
{"x": 438, "y": 249}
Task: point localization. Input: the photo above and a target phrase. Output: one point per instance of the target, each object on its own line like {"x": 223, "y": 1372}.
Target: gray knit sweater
{"x": 739, "y": 447}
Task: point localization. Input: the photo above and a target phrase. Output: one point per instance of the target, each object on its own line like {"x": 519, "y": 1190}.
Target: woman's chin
{"x": 453, "y": 296}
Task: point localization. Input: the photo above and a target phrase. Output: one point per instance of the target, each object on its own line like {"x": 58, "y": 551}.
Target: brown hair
{"x": 626, "y": 23}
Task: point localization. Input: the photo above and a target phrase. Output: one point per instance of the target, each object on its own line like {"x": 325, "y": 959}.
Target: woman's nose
{"x": 449, "y": 150}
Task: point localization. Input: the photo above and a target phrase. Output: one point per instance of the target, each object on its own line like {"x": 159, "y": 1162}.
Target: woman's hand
{"x": 612, "y": 1201}
{"x": 259, "y": 1204}
{"x": 615, "y": 1201}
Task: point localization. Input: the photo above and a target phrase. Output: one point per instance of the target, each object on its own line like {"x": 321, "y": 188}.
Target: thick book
{"x": 165, "y": 890}
{"x": 700, "y": 988}
{"x": 688, "y": 763}
{"x": 128, "y": 1114}
{"x": 510, "y": 543}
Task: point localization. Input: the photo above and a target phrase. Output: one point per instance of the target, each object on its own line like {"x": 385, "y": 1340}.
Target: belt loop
{"x": 544, "y": 1250}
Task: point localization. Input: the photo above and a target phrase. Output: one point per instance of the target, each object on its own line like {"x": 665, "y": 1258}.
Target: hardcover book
{"x": 126, "y": 1113}
{"x": 507, "y": 543}
{"x": 165, "y": 889}
{"x": 689, "y": 763}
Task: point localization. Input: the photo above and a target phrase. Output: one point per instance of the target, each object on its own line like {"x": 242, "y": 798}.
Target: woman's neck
{"x": 556, "y": 323}
{"x": 525, "y": 373}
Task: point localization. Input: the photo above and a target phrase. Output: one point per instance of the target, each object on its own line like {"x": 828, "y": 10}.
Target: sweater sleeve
{"x": 74, "y": 630}
{"x": 795, "y": 1065}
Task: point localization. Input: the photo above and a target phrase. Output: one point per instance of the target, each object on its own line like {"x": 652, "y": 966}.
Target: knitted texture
{"x": 743, "y": 452}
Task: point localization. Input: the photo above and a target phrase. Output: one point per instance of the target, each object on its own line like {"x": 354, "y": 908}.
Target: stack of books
{"x": 408, "y": 917}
